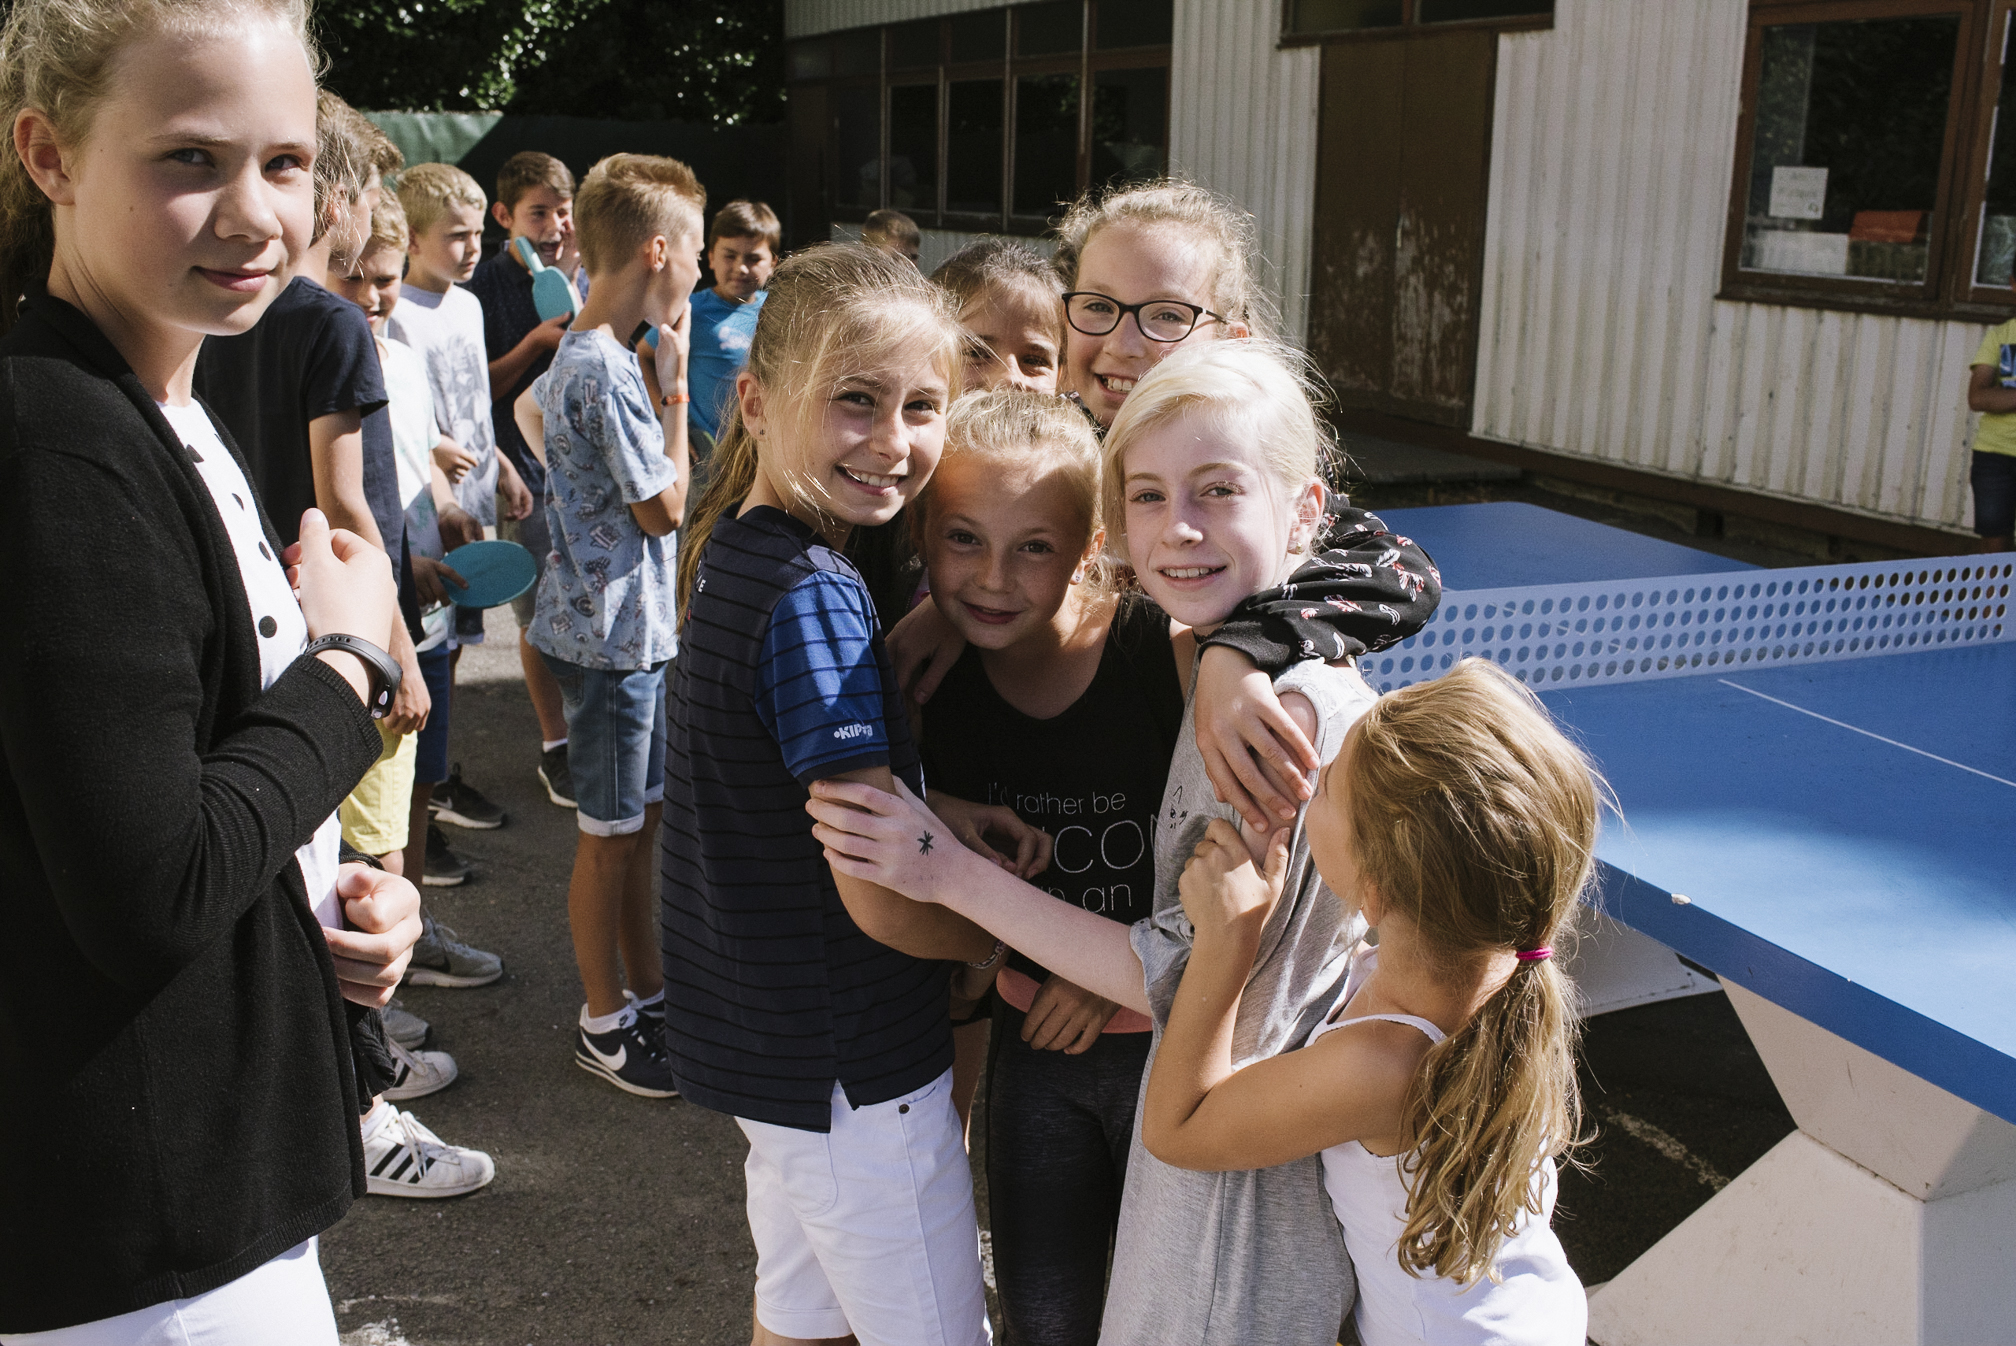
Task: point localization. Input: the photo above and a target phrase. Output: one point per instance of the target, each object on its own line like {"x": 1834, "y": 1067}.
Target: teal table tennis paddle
{"x": 497, "y": 571}
{"x": 551, "y": 294}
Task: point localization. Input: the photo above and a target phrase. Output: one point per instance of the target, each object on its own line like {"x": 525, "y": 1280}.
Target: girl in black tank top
{"x": 1065, "y": 707}
{"x": 1091, "y": 776}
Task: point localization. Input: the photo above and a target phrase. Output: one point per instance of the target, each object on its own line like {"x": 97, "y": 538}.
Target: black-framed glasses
{"x": 1164, "y": 320}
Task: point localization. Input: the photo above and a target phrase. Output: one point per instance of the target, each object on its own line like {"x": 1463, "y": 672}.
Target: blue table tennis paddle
{"x": 497, "y": 572}
{"x": 551, "y": 294}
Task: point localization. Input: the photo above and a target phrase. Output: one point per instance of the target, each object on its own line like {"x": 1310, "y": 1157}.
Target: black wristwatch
{"x": 383, "y": 668}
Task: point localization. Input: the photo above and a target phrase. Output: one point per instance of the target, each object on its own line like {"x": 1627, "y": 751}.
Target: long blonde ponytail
{"x": 832, "y": 311}
{"x": 1476, "y": 819}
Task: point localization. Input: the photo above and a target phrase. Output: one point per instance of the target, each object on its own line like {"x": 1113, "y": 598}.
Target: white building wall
{"x": 1612, "y": 152}
{"x": 1242, "y": 120}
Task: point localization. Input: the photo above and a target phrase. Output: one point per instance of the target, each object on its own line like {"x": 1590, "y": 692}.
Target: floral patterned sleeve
{"x": 1369, "y": 589}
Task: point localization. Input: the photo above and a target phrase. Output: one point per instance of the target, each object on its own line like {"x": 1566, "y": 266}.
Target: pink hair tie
{"x": 1533, "y": 955}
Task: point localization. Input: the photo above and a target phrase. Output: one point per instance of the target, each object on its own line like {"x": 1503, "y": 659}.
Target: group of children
{"x": 1001, "y": 673}
{"x": 1076, "y": 496}
{"x": 1081, "y": 499}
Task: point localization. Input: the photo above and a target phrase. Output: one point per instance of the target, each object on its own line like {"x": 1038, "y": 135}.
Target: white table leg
{"x": 1615, "y": 967}
{"x": 1888, "y": 1218}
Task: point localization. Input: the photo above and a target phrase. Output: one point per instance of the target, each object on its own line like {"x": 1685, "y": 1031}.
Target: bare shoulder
{"x": 1374, "y": 1061}
{"x": 1301, "y": 711}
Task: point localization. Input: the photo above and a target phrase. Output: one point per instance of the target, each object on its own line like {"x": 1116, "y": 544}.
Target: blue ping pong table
{"x": 1817, "y": 773}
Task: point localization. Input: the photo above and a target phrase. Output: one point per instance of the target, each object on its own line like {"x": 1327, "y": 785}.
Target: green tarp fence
{"x": 732, "y": 161}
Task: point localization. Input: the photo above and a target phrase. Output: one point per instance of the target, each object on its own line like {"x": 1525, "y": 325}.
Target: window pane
{"x": 980, "y": 37}
{"x": 1992, "y": 263}
{"x": 857, "y": 148}
{"x": 913, "y": 45}
{"x": 808, "y": 59}
{"x": 1057, "y": 28}
{"x": 1844, "y": 168}
{"x": 1455, "y": 11}
{"x": 1046, "y": 142}
{"x": 1134, "y": 23}
{"x": 973, "y": 147}
{"x": 1130, "y": 115}
{"x": 1331, "y": 16}
{"x": 913, "y": 148}
{"x": 858, "y": 52}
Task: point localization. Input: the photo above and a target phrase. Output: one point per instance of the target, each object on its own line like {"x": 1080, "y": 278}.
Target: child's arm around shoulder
{"x": 1199, "y": 1113}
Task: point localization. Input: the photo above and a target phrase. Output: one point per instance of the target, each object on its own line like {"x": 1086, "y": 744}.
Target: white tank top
{"x": 1539, "y": 1300}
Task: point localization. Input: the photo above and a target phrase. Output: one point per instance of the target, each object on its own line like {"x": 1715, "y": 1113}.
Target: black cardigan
{"x": 177, "y": 1102}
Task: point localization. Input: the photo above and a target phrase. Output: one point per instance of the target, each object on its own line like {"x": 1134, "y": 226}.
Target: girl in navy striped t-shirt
{"x": 809, "y": 1006}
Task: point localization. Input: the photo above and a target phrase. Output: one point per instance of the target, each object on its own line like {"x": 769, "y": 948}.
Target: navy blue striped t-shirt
{"x": 772, "y": 993}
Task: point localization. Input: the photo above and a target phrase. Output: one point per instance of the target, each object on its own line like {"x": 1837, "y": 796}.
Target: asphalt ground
{"x": 615, "y": 1219}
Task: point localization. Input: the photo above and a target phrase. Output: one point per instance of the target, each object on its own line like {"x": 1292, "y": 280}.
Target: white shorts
{"x": 868, "y": 1229}
{"x": 283, "y": 1302}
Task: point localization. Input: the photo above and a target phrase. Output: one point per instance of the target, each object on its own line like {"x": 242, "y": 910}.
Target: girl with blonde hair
{"x": 187, "y": 959}
{"x": 1212, "y": 488}
{"x": 811, "y": 1007}
{"x": 1461, "y": 823}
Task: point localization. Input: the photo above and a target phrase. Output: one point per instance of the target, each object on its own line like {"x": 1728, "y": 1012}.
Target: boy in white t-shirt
{"x": 443, "y": 323}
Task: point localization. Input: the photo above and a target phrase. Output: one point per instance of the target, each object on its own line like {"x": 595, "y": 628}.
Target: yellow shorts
{"x": 375, "y": 815}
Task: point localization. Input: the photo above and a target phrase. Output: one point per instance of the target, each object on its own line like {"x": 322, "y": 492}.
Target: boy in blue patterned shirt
{"x": 616, "y": 473}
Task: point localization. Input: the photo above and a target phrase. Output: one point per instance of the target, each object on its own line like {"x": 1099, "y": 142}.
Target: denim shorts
{"x": 430, "y": 767}
{"x": 615, "y": 742}
{"x": 1994, "y": 480}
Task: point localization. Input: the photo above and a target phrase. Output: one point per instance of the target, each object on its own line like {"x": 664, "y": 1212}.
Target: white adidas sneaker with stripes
{"x": 404, "y": 1158}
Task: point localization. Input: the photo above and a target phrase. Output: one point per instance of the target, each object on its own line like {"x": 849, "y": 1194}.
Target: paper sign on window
{"x": 1798, "y": 193}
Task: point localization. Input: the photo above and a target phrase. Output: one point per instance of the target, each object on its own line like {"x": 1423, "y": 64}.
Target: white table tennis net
{"x": 1680, "y": 626}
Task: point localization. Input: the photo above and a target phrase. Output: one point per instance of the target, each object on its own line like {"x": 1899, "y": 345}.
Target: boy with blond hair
{"x": 741, "y": 252}
{"x": 443, "y": 323}
{"x": 617, "y": 467}
{"x": 386, "y": 812}
{"x": 535, "y": 202}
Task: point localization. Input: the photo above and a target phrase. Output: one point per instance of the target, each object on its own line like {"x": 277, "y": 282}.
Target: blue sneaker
{"x": 629, "y": 1056}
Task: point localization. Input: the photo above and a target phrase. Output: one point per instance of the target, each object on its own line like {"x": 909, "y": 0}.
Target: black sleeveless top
{"x": 1091, "y": 777}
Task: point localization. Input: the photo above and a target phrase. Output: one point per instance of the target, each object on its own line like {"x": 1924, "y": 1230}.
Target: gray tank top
{"x": 1251, "y": 1258}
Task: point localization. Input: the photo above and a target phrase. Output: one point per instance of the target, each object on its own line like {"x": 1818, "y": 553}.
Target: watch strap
{"x": 382, "y": 667}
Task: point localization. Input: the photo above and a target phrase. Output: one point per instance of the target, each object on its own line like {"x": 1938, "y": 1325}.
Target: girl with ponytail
{"x": 1462, "y": 824}
{"x": 813, "y": 1007}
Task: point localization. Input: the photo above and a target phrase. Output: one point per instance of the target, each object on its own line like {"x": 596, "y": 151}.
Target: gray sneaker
{"x": 555, "y": 775}
{"x": 403, "y": 1026}
{"x": 442, "y": 959}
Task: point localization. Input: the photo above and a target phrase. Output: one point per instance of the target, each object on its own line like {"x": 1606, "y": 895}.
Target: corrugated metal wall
{"x": 1242, "y": 119}
{"x": 1612, "y": 153}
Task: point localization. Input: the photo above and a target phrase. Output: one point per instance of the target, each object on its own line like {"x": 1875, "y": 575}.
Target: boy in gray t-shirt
{"x": 1245, "y": 1258}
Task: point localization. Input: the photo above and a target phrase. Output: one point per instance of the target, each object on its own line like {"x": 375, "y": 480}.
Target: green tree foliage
{"x": 709, "y": 61}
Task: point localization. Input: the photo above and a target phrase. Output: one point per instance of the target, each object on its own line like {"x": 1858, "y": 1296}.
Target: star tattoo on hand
{"x": 924, "y": 844}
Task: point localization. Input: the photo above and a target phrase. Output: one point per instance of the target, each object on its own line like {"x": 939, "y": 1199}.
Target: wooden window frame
{"x": 1948, "y": 291}
{"x": 1084, "y": 64}
{"x": 1409, "y": 26}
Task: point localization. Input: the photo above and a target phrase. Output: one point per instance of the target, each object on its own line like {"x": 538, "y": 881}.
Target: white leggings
{"x": 282, "y": 1303}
